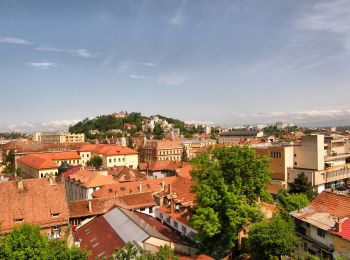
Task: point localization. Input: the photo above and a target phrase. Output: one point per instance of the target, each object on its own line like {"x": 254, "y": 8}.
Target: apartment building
{"x": 193, "y": 147}
{"x": 324, "y": 226}
{"x": 161, "y": 150}
{"x": 235, "y": 137}
{"x": 58, "y": 137}
{"x": 323, "y": 160}
{"x": 281, "y": 159}
{"x": 112, "y": 155}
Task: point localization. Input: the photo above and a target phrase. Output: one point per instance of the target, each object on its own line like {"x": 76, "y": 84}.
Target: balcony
{"x": 337, "y": 173}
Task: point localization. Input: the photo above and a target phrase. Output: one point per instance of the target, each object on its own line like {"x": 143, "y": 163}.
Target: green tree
{"x": 184, "y": 156}
{"x": 130, "y": 252}
{"x": 290, "y": 202}
{"x": 301, "y": 184}
{"x": 95, "y": 161}
{"x": 26, "y": 242}
{"x": 158, "y": 132}
{"x": 274, "y": 237}
{"x": 228, "y": 182}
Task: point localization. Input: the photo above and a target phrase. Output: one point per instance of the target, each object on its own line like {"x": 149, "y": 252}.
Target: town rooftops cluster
{"x": 107, "y": 150}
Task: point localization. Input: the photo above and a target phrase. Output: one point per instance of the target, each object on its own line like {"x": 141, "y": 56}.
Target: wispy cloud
{"x": 146, "y": 64}
{"x": 14, "y": 40}
{"x": 172, "y": 79}
{"x": 136, "y": 76}
{"x": 84, "y": 53}
{"x": 179, "y": 15}
{"x": 301, "y": 115}
{"x": 42, "y": 65}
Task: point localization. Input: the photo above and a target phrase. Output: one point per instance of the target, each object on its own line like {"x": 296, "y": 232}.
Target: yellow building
{"x": 112, "y": 155}
{"x": 58, "y": 137}
{"x": 40, "y": 165}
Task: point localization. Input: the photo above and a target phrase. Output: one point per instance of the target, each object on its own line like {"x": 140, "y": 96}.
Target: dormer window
{"x": 55, "y": 215}
{"x": 19, "y": 220}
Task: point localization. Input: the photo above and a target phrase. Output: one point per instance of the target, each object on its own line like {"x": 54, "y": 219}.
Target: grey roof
{"x": 240, "y": 133}
{"x": 130, "y": 227}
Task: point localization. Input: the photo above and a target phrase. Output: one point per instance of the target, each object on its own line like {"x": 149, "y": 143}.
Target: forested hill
{"x": 105, "y": 123}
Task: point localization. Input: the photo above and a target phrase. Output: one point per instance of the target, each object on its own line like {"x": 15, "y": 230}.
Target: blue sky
{"x": 228, "y": 62}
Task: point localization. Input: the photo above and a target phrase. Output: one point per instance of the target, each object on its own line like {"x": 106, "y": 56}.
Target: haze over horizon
{"x": 226, "y": 62}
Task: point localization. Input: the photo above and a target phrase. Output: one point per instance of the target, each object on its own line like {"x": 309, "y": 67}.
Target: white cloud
{"x": 42, "y": 65}
{"x": 54, "y": 125}
{"x": 13, "y": 40}
{"x": 172, "y": 79}
{"x": 84, "y": 53}
{"x": 179, "y": 15}
{"x": 146, "y": 64}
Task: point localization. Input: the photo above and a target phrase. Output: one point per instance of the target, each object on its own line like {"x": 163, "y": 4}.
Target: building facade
{"x": 58, "y": 137}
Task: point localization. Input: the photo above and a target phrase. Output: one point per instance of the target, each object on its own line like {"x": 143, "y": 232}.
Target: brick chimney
{"x": 338, "y": 225}
{"x": 163, "y": 185}
{"x": 90, "y": 206}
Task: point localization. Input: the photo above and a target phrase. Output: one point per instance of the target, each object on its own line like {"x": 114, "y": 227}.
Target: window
{"x": 142, "y": 209}
{"x": 295, "y": 163}
{"x": 276, "y": 154}
{"x": 175, "y": 225}
{"x": 122, "y": 188}
{"x": 110, "y": 190}
{"x": 110, "y": 160}
{"x": 19, "y": 220}
{"x": 295, "y": 155}
{"x": 55, "y": 215}
{"x": 123, "y": 159}
{"x": 150, "y": 210}
{"x": 321, "y": 232}
{"x": 115, "y": 160}
{"x": 118, "y": 159}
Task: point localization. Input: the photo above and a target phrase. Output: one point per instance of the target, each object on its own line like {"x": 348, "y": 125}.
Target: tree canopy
{"x": 95, "y": 161}
{"x": 130, "y": 252}
{"x": 290, "y": 202}
{"x": 26, "y": 242}
{"x": 228, "y": 182}
{"x": 301, "y": 184}
{"x": 273, "y": 237}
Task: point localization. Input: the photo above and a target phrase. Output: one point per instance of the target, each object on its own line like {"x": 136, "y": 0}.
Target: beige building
{"x": 193, "y": 147}
{"x": 41, "y": 165}
{"x": 235, "y": 137}
{"x": 58, "y": 137}
{"x": 161, "y": 150}
{"x": 112, "y": 155}
{"x": 281, "y": 159}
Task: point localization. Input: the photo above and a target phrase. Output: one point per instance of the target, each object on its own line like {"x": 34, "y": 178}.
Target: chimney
{"x": 338, "y": 225}
{"x": 20, "y": 184}
{"x": 90, "y": 206}
{"x": 140, "y": 187}
{"x": 52, "y": 180}
{"x": 163, "y": 185}
{"x": 172, "y": 207}
{"x": 169, "y": 188}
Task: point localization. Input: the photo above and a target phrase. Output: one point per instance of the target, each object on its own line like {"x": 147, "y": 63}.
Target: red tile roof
{"x": 161, "y": 166}
{"x": 336, "y": 204}
{"x": 149, "y": 185}
{"x": 90, "y": 179}
{"x": 99, "y": 238}
{"x": 34, "y": 203}
{"x": 107, "y": 150}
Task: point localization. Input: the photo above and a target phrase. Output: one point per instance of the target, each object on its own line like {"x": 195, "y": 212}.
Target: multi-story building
{"x": 41, "y": 165}
{"x": 324, "y": 226}
{"x": 112, "y": 155}
{"x": 58, "y": 137}
{"x": 235, "y": 137}
{"x": 161, "y": 150}
{"x": 80, "y": 185}
{"x": 193, "y": 147}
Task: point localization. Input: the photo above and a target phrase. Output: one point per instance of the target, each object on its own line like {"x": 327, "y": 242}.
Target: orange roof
{"x": 182, "y": 216}
{"x": 37, "y": 162}
{"x": 35, "y": 203}
{"x": 41, "y": 161}
{"x": 91, "y": 179}
{"x": 163, "y": 144}
{"x": 161, "y": 165}
{"x": 132, "y": 187}
{"x": 107, "y": 149}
